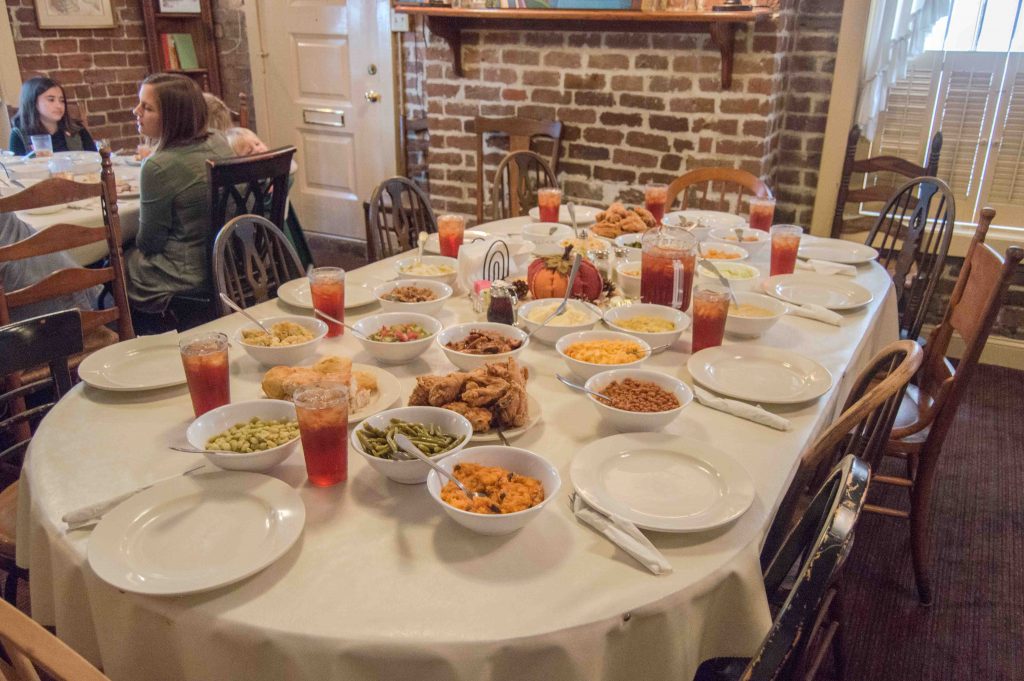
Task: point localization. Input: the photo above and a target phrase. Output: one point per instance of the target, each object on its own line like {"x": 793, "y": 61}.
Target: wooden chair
{"x": 241, "y": 117}
{"x": 913, "y": 234}
{"x": 62, "y": 237}
{"x": 816, "y": 547}
{"x": 49, "y": 340}
{"x": 730, "y": 180}
{"x": 929, "y": 408}
{"x": 521, "y": 133}
{"x": 520, "y": 174}
{"x": 880, "y": 181}
{"x": 251, "y": 259}
{"x": 398, "y": 212}
{"x": 30, "y": 647}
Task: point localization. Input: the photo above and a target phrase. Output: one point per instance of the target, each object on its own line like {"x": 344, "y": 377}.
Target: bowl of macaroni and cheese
{"x": 590, "y": 352}
{"x": 654, "y": 324}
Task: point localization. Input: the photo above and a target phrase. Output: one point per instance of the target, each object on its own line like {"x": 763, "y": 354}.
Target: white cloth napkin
{"x": 826, "y": 267}
{"x": 743, "y": 410}
{"x": 817, "y": 313}
{"x": 623, "y": 534}
{"x": 92, "y": 513}
{"x": 471, "y": 259}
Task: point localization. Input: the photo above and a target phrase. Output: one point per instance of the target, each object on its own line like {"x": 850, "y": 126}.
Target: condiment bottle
{"x": 502, "y": 306}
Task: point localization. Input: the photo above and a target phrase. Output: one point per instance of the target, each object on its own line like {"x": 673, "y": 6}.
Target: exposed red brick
{"x": 622, "y": 83}
{"x": 616, "y": 118}
{"x": 568, "y": 60}
{"x": 588, "y": 98}
{"x": 608, "y": 61}
{"x": 635, "y": 159}
{"x": 593, "y": 81}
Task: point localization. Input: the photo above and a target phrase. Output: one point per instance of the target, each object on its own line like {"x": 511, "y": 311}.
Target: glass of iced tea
{"x": 549, "y": 200}
{"x": 205, "y": 358}
{"x": 785, "y": 245}
{"x": 450, "y": 231}
{"x": 42, "y": 145}
{"x": 327, "y": 285}
{"x": 710, "y": 309}
{"x": 762, "y": 212}
{"x": 666, "y": 266}
{"x": 322, "y": 410}
{"x": 655, "y": 197}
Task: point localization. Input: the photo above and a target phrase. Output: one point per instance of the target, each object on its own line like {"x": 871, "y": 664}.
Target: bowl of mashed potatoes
{"x": 292, "y": 339}
{"x": 430, "y": 267}
{"x": 741, "y": 276}
{"x": 654, "y": 324}
{"x": 755, "y": 315}
{"x": 578, "y": 316}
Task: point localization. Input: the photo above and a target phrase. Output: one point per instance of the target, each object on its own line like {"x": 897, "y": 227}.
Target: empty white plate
{"x": 712, "y": 219}
{"x": 759, "y": 374}
{"x": 662, "y": 482}
{"x": 357, "y": 293}
{"x": 835, "y": 293}
{"x": 585, "y": 215}
{"x": 836, "y": 250}
{"x": 143, "y": 363}
{"x": 196, "y": 533}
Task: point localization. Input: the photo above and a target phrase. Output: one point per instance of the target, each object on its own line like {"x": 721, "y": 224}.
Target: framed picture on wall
{"x": 180, "y": 6}
{"x": 74, "y": 14}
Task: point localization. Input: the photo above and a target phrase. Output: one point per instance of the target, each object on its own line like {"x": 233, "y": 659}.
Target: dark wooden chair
{"x": 882, "y": 175}
{"x": 29, "y": 647}
{"x": 816, "y": 548}
{"x": 241, "y": 117}
{"x": 913, "y": 234}
{"x": 929, "y": 407}
{"x": 251, "y": 259}
{"x": 730, "y": 181}
{"x": 521, "y": 134}
{"x": 398, "y": 212}
{"x": 50, "y": 340}
{"x": 520, "y": 174}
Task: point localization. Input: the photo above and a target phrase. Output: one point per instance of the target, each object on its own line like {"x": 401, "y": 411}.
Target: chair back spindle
{"x": 731, "y": 182}
{"x": 520, "y": 174}
{"x": 398, "y": 211}
{"x": 251, "y": 259}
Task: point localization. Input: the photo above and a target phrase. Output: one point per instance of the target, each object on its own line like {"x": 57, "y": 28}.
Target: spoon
{"x": 407, "y": 446}
{"x": 715, "y": 271}
{"x": 338, "y": 321}
{"x": 230, "y": 303}
{"x": 193, "y": 450}
{"x": 565, "y": 300}
{"x": 577, "y": 386}
{"x": 739, "y": 234}
{"x": 421, "y": 241}
{"x": 571, "y": 207}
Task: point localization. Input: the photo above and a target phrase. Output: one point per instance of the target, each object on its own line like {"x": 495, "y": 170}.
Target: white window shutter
{"x": 1003, "y": 188}
{"x": 904, "y": 128}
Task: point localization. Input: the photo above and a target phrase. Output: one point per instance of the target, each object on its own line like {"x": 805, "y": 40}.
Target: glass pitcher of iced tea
{"x": 666, "y": 266}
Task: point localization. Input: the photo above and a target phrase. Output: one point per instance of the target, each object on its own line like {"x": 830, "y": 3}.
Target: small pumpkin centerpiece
{"x": 548, "y": 277}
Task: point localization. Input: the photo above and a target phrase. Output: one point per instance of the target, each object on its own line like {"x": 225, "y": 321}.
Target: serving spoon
{"x": 715, "y": 271}
{"x": 577, "y": 386}
{"x": 407, "y": 447}
{"x": 230, "y": 303}
{"x": 565, "y": 299}
{"x": 338, "y": 321}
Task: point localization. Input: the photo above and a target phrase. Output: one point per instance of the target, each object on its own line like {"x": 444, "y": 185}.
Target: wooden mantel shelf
{"x": 449, "y": 22}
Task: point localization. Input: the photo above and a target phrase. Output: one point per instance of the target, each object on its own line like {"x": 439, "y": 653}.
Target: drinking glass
{"x": 450, "y": 231}
{"x": 205, "y": 358}
{"x": 549, "y": 200}
{"x": 655, "y": 197}
{"x": 785, "y": 244}
{"x": 42, "y": 145}
{"x": 710, "y": 309}
{"x": 666, "y": 266}
{"x": 762, "y": 212}
{"x": 61, "y": 166}
{"x": 327, "y": 284}
{"x": 322, "y": 411}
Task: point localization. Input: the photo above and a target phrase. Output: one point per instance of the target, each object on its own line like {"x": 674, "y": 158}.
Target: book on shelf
{"x": 186, "y": 50}
{"x": 169, "y": 53}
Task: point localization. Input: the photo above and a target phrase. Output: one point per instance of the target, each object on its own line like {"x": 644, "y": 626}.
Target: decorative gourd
{"x": 547, "y": 277}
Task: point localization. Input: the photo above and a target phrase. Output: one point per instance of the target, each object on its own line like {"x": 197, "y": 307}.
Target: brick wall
{"x": 637, "y": 107}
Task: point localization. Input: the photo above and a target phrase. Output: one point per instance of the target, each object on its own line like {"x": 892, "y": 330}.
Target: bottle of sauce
{"x": 501, "y": 308}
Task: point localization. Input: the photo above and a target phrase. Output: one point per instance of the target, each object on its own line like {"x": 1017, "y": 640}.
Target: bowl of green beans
{"x": 437, "y": 432}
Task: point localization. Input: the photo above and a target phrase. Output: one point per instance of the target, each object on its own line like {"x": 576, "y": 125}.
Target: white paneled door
{"x": 328, "y": 90}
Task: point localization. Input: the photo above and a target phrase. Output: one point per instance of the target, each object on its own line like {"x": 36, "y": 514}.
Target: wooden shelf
{"x": 449, "y": 22}
{"x": 199, "y": 26}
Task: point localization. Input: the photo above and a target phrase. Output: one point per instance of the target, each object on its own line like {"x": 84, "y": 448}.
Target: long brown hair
{"x": 27, "y": 119}
{"x": 182, "y": 110}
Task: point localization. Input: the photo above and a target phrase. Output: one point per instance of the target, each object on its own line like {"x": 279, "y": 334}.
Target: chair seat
{"x": 910, "y": 408}
{"x": 98, "y": 338}
{"x": 8, "y": 520}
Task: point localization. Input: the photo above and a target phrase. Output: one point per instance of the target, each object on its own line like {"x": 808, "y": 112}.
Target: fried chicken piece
{"x": 447, "y": 389}
{"x": 483, "y": 394}
{"x": 478, "y": 417}
{"x": 633, "y": 225}
{"x": 509, "y": 371}
{"x": 512, "y": 409}
{"x": 606, "y": 230}
{"x": 420, "y": 396}
{"x": 646, "y": 216}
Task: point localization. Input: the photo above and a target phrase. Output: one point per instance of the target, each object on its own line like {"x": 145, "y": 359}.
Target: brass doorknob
{"x": 372, "y": 96}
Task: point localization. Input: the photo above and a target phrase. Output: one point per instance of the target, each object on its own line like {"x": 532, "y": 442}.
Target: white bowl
{"x": 629, "y": 282}
{"x": 395, "y": 353}
{"x": 741, "y": 276}
{"x": 283, "y": 354}
{"x": 542, "y": 233}
{"x": 652, "y": 338}
{"x": 467, "y": 361}
{"x": 437, "y": 260}
{"x": 550, "y": 334}
{"x": 754, "y": 326}
{"x": 520, "y": 461}
{"x": 738, "y": 252}
{"x": 585, "y": 370}
{"x": 415, "y": 471}
{"x": 630, "y": 421}
{"x": 633, "y": 253}
{"x": 754, "y": 240}
{"x": 442, "y": 292}
{"x": 218, "y": 420}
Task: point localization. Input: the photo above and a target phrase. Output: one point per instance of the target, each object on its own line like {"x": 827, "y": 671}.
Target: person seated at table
{"x": 244, "y": 142}
{"x": 170, "y": 254}
{"x": 43, "y": 110}
{"x": 218, "y": 115}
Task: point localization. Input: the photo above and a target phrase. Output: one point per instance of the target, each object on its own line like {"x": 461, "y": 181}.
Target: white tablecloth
{"x": 383, "y": 585}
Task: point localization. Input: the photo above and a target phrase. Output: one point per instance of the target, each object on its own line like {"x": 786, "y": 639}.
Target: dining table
{"x": 382, "y": 584}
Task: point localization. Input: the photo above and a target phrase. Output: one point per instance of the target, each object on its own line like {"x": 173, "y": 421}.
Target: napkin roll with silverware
{"x": 622, "y": 533}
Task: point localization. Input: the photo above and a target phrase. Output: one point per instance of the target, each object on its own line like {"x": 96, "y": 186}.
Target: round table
{"x": 382, "y": 584}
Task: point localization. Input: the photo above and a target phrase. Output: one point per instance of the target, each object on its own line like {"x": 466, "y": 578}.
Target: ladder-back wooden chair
{"x": 731, "y": 182}
{"x": 929, "y": 407}
{"x": 514, "y": 192}
{"x": 241, "y": 117}
{"x": 398, "y": 211}
{"x": 912, "y": 235}
{"x": 881, "y": 177}
{"x": 522, "y": 134}
{"x": 251, "y": 259}
{"x": 30, "y": 647}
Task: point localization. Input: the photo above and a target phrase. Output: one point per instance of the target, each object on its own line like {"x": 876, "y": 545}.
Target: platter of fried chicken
{"x": 619, "y": 220}
{"x": 490, "y": 397}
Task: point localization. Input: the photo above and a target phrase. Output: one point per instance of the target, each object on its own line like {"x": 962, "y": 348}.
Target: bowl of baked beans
{"x": 638, "y": 399}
